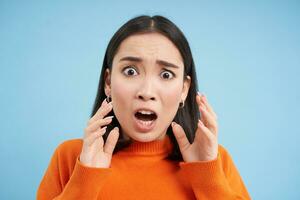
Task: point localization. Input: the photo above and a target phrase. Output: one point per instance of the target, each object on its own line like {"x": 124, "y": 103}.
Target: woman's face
{"x": 146, "y": 78}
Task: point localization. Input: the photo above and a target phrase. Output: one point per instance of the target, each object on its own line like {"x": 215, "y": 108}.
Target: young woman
{"x": 151, "y": 135}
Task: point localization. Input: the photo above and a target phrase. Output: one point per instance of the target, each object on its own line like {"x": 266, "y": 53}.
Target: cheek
{"x": 171, "y": 94}
{"x": 122, "y": 92}
{"x": 170, "y": 97}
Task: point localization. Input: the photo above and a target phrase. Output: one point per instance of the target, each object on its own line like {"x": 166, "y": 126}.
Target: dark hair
{"x": 187, "y": 116}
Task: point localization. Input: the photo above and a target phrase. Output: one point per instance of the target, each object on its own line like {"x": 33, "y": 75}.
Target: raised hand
{"x": 94, "y": 153}
{"x": 205, "y": 144}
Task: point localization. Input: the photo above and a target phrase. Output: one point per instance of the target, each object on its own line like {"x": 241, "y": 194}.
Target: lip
{"x": 141, "y": 126}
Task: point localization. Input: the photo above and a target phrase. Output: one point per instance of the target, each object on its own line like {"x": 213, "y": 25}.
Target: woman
{"x": 150, "y": 135}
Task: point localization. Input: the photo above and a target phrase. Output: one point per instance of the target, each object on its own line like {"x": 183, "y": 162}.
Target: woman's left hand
{"x": 205, "y": 145}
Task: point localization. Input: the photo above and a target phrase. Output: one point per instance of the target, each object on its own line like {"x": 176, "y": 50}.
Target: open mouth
{"x": 145, "y": 120}
{"x": 146, "y": 116}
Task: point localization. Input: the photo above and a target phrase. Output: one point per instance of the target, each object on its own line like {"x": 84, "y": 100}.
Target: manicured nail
{"x": 200, "y": 122}
{"x": 104, "y": 102}
{"x": 204, "y": 97}
{"x": 201, "y": 94}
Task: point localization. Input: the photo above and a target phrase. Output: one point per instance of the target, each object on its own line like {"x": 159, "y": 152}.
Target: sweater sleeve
{"x": 64, "y": 181}
{"x": 216, "y": 179}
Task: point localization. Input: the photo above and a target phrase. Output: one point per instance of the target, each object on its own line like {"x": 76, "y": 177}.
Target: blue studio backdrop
{"x": 247, "y": 55}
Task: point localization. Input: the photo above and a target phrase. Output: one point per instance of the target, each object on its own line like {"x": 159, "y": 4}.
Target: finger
{"x": 103, "y": 104}
{"x": 202, "y": 98}
{"x": 104, "y": 109}
{"x": 180, "y": 136}
{"x": 199, "y": 102}
{"x": 111, "y": 141}
{"x": 204, "y": 131}
{"x": 101, "y": 122}
{"x": 209, "y": 107}
{"x": 208, "y": 120}
{"x": 92, "y": 137}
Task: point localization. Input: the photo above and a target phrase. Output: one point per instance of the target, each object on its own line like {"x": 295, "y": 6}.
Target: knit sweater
{"x": 140, "y": 171}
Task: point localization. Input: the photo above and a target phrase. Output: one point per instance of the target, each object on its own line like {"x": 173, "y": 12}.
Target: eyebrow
{"x": 160, "y": 62}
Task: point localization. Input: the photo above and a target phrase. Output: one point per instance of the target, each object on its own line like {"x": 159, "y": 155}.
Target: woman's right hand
{"x": 94, "y": 153}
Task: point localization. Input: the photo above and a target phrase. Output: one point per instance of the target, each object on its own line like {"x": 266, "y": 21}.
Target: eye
{"x": 129, "y": 71}
{"x": 167, "y": 75}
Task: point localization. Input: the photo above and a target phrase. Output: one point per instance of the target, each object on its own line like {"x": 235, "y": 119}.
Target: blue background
{"x": 247, "y": 57}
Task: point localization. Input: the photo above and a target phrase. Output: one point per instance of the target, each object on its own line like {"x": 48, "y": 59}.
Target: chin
{"x": 145, "y": 137}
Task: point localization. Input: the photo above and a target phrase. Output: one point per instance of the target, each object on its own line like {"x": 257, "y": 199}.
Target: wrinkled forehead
{"x": 149, "y": 47}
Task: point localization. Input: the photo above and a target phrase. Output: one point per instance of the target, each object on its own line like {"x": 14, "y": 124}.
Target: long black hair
{"x": 187, "y": 116}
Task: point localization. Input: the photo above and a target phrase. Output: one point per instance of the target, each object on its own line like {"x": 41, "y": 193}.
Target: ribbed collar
{"x": 156, "y": 147}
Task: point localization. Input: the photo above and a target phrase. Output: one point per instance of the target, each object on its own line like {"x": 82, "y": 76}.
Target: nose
{"x": 146, "y": 91}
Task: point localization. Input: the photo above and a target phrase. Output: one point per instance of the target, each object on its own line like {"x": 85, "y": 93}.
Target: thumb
{"x": 180, "y": 136}
{"x": 111, "y": 141}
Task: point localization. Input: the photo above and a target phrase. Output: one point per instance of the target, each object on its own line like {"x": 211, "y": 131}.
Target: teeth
{"x": 146, "y": 123}
{"x": 145, "y": 112}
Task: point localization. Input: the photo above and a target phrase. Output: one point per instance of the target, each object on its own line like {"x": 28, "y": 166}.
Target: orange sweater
{"x": 140, "y": 171}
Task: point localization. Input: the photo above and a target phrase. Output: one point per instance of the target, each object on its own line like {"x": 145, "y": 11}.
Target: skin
{"x": 145, "y": 83}
{"x": 149, "y": 84}
{"x": 205, "y": 145}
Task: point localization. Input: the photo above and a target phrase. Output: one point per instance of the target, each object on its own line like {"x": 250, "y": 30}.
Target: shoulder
{"x": 69, "y": 148}
{"x": 226, "y": 159}
{"x": 224, "y": 153}
{"x": 222, "y": 150}
{"x": 64, "y": 159}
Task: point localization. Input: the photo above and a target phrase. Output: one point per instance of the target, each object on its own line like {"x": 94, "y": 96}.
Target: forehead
{"x": 150, "y": 46}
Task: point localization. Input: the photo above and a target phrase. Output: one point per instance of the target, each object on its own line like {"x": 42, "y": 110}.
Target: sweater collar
{"x": 156, "y": 147}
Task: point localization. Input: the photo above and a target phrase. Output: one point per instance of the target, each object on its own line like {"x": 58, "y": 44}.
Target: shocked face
{"x": 146, "y": 85}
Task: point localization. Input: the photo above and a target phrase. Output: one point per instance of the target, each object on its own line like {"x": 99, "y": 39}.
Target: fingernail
{"x": 104, "y": 102}
{"x": 109, "y": 117}
{"x": 201, "y": 94}
{"x": 200, "y": 122}
{"x": 173, "y": 123}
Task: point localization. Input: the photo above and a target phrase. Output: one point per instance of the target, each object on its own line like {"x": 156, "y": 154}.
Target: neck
{"x": 162, "y": 146}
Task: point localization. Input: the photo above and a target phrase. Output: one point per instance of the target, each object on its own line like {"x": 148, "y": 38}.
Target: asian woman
{"x": 151, "y": 134}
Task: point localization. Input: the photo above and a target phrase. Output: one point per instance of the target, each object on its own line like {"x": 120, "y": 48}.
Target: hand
{"x": 93, "y": 153}
{"x": 205, "y": 145}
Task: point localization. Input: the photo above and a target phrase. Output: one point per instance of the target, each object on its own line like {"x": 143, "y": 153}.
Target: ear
{"x": 186, "y": 87}
{"x": 107, "y": 82}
